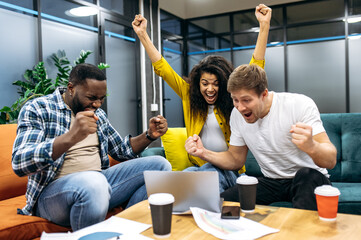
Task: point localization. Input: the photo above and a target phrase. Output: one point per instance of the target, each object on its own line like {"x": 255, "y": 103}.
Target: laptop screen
{"x": 190, "y": 189}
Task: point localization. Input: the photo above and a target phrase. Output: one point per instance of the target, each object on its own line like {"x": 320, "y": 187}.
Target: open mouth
{"x": 211, "y": 97}
{"x": 247, "y": 115}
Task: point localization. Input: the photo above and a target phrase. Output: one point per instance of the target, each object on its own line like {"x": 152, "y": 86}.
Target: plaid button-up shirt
{"x": 40, "y": 122}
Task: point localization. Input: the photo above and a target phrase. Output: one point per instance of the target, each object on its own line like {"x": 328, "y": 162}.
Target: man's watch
{"x": 149, "y": 137}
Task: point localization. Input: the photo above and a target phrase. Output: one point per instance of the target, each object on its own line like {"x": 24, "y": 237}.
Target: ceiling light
{"x": 354, "y": 37}
{"x": 82, "y": 12}
{"x": 353, "y": 20}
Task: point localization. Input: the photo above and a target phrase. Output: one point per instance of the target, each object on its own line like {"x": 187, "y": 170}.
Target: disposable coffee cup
{"x": 161, "y": 206}
{"x": 327, "y": 202}
{"x": 247, "y": 191}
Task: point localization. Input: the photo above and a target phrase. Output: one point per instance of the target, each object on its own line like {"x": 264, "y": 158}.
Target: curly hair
{"x": 221, "y": 68}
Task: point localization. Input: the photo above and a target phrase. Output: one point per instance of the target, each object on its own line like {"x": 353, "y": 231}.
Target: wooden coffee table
{"x": 293, "y": 223}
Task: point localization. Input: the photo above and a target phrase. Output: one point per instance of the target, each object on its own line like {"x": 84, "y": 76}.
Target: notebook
{"x": 190, "y": 189}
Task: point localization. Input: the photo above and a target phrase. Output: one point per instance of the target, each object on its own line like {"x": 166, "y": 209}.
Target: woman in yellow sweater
{"x": 206, "y": 103}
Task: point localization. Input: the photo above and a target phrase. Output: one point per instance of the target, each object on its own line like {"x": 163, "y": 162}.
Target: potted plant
{"x": 37, "y": 83}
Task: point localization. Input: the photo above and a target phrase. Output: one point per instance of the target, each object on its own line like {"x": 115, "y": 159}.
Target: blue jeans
{"x": 227, "y": 178}
{"x": 84, "y": 198}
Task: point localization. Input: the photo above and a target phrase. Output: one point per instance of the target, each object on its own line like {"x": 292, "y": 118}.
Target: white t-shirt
{"x": 211, "y": 134}
{"x": 269, "y": 138}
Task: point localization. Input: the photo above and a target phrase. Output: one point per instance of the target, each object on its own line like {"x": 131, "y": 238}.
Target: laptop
{"x": 190, "y": 189}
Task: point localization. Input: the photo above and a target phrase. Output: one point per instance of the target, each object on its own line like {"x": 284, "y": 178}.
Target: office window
{"x": 21, "y": 3}
{"x": 315, "y": 11}
{"x": 247, "y": 20}
{"x": 170, "y": 24}
{"x": 214, "y": 43}
{"x": 122, "y": 97}
{"x": 318, "y": 71}
{"x": 354, "y": 28}
{"x": 194, "y": 31}
{"x": 19, "y": 51}
{"x": 218, "y": 24}
{"x": 355, "y": 73}
{"x": 195, "y": 45}
{"x": 173, "y": 45}
{"x": 119, "y": 30}
{"x": 354, "y": 7}
{"x": 58, "y": 11}
{"x": 245, "y": 39}
{"x": 72, "y": 40}
{"x": 127, "y": 8}
{"x": 172, "y": 102}
{"x": 244, "y": 21}
{"x": 316, "y": 31}
{"x": 225, "y": 42}
{"x": 275, "y": 36}
{"x": 91, "y": 1}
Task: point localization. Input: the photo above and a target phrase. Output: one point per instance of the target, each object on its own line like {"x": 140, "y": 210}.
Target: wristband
{"x": 149, "y": 137}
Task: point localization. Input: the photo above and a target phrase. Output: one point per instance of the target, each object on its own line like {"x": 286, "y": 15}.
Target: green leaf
{"x": 5, "y": 109}
{"x": 102, "y": 66}
{"x": 83, "y": 56}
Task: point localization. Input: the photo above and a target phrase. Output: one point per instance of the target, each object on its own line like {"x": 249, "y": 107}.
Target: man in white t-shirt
{"x": 285, "y": 134}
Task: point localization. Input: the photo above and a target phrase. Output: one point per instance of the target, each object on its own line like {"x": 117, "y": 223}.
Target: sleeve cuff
{"x": 260, "y": 63}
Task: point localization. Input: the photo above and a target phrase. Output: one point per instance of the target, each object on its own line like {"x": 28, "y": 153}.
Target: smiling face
{"x": 208, "y": 85}
{"x": 88, "y": 96}
{"x": 251, "y": 105}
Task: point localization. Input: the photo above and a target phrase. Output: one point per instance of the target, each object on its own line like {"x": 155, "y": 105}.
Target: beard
{"x": 76, "y": 105}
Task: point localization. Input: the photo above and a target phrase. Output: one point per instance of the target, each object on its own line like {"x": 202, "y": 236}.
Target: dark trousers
{"x": 299, "y": 190}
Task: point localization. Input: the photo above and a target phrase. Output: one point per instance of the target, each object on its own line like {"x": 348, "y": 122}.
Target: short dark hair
{"x": 249, "y": 77}
{"x": 82, "y": 71}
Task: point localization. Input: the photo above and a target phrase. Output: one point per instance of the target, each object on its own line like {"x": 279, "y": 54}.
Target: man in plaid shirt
{"x": 62, "y": 145}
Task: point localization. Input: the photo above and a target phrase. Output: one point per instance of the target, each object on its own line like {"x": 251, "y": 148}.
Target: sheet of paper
{"x": 70, "y": 236}
{"x": 240, "y": 229}
{"x": 114, "y": 224}
{"x": 119, "y": 225}
{"x": 57, "y": 236}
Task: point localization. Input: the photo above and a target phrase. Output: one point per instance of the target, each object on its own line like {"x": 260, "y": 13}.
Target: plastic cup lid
{"x": 327, "y": 190}
{"x": 161, "y": 199}
{"x": 247, "y": 180}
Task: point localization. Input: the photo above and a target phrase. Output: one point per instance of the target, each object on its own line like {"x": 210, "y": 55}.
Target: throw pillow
{"x": 173, "y": 142}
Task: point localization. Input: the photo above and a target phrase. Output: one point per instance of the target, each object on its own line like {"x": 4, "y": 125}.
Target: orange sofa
{"x": 12, "y": 197}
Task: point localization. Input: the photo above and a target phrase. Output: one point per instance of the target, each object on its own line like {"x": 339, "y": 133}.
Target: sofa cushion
{"x": 173, "y": 141}
{"x": 344, "y": 131}
{"x": 153, "y": 151}
{"x": 351, "y": 150}
{"x": 15, "y": 226}
{"x": 11, "y": 185}
{"x": 333, "y": 126}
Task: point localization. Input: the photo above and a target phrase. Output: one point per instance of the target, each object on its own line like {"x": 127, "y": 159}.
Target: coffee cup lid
{"x": 247, "y": 180}
{"x": 327, "y": 190}
{"x": 161, "y": 199}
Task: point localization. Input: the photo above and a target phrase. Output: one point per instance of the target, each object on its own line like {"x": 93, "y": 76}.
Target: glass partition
{"x": 318, "y": 71}
{"x": 355, "y": 73}
{"x": 19, "y": 51}
{"x": 122, "y": 99}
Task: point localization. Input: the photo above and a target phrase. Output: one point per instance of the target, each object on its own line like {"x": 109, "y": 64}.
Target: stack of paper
{"x": 240, "y": 229}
